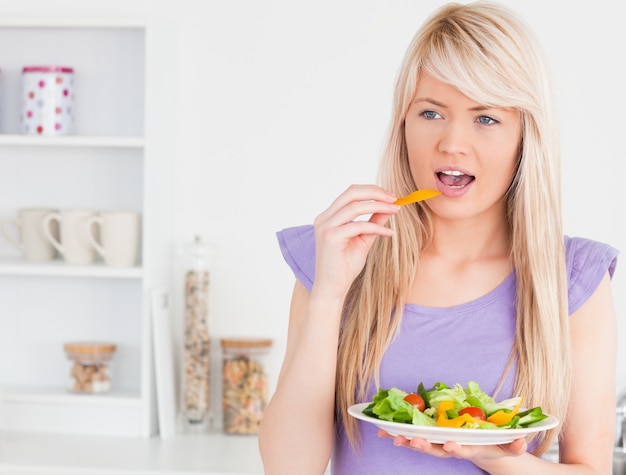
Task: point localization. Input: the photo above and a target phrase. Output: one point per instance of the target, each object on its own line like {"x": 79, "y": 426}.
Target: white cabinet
{"x": 119, "y": 157}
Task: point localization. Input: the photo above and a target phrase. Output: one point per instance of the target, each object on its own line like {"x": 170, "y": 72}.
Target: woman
{"x": 476, "y": 284}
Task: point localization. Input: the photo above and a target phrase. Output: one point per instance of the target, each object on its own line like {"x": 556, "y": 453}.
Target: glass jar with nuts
{"x": 90, "y": 366}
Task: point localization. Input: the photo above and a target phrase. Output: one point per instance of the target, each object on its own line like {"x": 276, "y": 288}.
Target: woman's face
{"x": 465, "y": 150}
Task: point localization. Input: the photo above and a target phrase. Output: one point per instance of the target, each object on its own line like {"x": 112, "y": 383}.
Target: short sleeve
{"x": 587, "y": 263}
{"x": 297, "y": 245}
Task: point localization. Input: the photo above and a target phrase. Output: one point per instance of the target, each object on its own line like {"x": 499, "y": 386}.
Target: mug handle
{"x": 4, "y": 228}
{"x": 46, "y": 230}
{"x": 89, "y": 228}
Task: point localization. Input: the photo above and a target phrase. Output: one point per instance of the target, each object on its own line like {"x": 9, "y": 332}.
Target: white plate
{"x": 441, "y": 435}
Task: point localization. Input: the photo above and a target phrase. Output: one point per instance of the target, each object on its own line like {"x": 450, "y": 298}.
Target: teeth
{"x": 452, "y": 172}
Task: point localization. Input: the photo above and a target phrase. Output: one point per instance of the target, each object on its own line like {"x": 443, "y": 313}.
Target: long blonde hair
{"x": 490, "y": 56}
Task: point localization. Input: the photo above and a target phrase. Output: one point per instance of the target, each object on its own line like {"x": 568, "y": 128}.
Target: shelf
{"x": 57, "y": 395}
{"x": 208, "y": 454}
{"x": 54, "y": 411}
{"x": 74, "y": 22}
{"x": 58, "y": 268}
{"x": 70, "y": 141}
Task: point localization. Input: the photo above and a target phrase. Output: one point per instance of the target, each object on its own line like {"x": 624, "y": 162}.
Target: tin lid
{"x": 246, "y": 343}
{"x": 47, "y": 69}
{"x": 89, "y": 347}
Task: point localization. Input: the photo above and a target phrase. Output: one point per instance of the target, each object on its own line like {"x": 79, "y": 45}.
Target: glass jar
{"x": 90, "y": 366}
{"x": 244, "y": 384}
{"x": 197, "y": 343}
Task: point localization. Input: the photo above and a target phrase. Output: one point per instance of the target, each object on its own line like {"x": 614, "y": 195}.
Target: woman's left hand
{"x": 474, "y": 453}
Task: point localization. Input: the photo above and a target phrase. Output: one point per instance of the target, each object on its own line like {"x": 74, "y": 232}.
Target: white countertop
{"x": 207, "y": 454}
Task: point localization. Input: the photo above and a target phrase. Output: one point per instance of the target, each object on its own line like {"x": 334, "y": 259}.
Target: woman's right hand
{"x": 343, "y": 242}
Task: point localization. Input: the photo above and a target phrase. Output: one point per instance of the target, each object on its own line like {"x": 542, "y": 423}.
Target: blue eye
{"x": 486, "y": 120}
{"x": 430, "y": 115}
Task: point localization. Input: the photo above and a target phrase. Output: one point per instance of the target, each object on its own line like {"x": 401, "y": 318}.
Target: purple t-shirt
{"x": 467, "y": 342}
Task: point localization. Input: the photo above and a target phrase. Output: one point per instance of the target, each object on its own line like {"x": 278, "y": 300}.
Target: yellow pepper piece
{"x": 443, "y": 407}
{"x": 442, "y": 416}
{"x": 443, "y": 421}
{"x": 419, "y": 195}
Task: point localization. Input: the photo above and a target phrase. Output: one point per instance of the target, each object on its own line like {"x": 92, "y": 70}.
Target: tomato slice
{"x": 475, "y": 412}
{"x": 416, "y": 400}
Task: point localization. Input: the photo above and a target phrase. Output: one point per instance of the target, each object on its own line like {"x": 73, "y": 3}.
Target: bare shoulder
{"x": 597, "y": 315}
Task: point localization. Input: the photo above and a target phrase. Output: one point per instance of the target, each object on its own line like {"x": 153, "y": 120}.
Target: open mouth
{"x": 455, "y": 178}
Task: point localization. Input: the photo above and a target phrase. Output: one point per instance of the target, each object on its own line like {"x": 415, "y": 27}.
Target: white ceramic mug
{"x": 73, "y": 243}
{"x": 119, "y": 237}
{"x": 32, "y": 241}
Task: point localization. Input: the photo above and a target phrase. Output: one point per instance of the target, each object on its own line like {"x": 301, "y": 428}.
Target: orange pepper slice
{"x": 419, "y": 195}
{"x": 501, "y": 417}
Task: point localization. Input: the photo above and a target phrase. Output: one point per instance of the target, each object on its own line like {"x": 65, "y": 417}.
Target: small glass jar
{"x": 90, "y": 368}
{"x": 244, "y": 384}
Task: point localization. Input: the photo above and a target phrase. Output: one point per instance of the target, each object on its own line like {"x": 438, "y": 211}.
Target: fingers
{"x": 340, "y": 221}
{"x": 517, "y": 447}
{"x": 453, "y": 449}
{"x": 343, "y": 241}
{"x": 362, "y": 193}
{"x": 356, "y": 201}
{"x": 351, "y": 229}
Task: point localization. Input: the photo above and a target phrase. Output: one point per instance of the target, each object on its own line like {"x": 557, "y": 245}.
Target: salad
{"x": 455, "y": 407}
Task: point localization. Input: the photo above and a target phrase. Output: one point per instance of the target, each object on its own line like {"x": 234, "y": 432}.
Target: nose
{"x": 455, "y": 138}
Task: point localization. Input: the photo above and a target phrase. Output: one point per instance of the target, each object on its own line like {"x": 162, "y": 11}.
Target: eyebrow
{"x": 442, "y": 105}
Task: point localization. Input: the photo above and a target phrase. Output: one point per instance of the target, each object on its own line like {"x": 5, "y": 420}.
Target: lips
{"x": 454, "y": 182}
{"x": 455, "y": 178}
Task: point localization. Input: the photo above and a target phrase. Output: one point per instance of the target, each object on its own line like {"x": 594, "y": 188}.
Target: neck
{"x": 470, "y": 239}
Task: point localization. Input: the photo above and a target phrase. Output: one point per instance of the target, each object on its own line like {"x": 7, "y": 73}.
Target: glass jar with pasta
{"x": 244, "y": 384}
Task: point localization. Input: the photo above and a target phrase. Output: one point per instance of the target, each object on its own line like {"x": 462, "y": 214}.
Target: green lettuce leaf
{"x": 389, "y": 405}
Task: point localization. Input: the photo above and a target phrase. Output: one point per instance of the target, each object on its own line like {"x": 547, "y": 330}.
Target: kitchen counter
{"x": 205, "y": 454}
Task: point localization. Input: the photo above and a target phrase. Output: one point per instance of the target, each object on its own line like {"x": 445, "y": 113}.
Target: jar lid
{"x": 47, "y": 69}
{"x": 89, "y": 347}
{"x": 246, "y": 342}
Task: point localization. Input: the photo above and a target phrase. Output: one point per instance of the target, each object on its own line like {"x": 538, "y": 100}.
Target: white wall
{"x": 282, "y": 104}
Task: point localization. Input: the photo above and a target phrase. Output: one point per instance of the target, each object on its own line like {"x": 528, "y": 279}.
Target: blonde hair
{"x": 491, "y": 57}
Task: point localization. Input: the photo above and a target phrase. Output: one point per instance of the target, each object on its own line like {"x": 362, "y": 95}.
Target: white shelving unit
{"x": 117, "y": 158}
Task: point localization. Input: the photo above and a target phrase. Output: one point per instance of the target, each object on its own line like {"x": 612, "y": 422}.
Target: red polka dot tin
{"x": 47, "y": 100}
